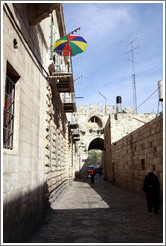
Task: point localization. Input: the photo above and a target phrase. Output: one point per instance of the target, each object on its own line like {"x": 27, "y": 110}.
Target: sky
{"x": 109, "y": 28}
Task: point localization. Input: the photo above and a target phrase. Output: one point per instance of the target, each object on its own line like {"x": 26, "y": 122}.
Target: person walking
{"x": 151, "y": 187}
{"x": 92, "y": 175}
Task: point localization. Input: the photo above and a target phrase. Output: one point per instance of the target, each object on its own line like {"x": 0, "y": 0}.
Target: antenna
{"x": 133, "y": 75}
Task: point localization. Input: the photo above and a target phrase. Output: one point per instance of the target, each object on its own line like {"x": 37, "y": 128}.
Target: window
{"x": 9, "y": 103}
{"x": 94, "y": 119}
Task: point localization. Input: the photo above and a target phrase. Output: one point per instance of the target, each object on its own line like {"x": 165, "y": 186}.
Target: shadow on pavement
{"x": 101, "y": 213}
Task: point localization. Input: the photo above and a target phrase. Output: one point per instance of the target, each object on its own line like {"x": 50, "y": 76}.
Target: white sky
{"x": 108, "y": 28}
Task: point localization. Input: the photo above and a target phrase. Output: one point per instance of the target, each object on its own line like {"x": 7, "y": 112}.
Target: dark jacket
{"x": 151, "y": 183}
{"x": 152, "y": 187}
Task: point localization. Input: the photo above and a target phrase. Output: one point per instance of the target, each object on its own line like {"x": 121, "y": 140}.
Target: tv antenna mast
{"x": 133, "y": 75}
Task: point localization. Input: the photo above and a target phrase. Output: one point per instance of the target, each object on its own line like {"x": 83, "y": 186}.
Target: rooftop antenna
{"x": 133, "y": 75}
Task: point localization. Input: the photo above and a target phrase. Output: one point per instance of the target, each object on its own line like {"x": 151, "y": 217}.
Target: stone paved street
{"x": 100, "y": 213}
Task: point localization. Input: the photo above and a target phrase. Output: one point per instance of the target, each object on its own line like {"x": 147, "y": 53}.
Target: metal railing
{"x": 74, "y": 120}
{"x": 67, "y": 97}
{"x": 75, "y": 132}
{"x": 62, "y": 61}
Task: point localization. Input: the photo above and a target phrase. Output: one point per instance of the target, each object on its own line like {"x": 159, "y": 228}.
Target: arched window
{"x": 95, "y": 121}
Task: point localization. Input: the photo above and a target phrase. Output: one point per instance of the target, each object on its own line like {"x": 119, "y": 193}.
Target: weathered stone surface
{"x": 29, "y": 173}
{"x": 100, "y": 213}
{"x": 141, "y": 152}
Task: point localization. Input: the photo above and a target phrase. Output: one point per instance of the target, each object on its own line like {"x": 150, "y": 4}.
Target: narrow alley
{"x": 52, "y": 139}
{"x": 100, "y": 213}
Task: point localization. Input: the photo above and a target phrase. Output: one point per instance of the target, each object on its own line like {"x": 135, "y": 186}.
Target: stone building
{"x": 131, "y": 143}
{"x": 45, "y": 141}
{"x": 127, "y": 160}
{"x": 38, "y": 145}
{"x": 92, "y": 123}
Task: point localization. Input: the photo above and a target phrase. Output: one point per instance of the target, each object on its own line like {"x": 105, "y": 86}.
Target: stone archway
{"x": 97, "y": 143}
{"x": 93, "y": 143}
{"x": 95, "y": 154}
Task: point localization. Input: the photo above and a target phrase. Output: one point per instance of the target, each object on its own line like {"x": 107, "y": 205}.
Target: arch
{"x": 97, "y": 143}
{"x": 95, "y": 121}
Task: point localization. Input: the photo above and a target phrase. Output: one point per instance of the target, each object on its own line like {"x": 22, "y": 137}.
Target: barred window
{"x": 8, "y": 115}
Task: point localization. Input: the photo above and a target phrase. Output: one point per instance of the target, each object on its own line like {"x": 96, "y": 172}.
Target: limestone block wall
{"x": 123, "y": 124}
{"x": 84, "y": 114}
{"x": 89, "y": 130}
{"x": 58, "y": 163}
{"x": 132, "y": 155}
{"x": 107, "y": 153}
{"x": 25, "y": 165}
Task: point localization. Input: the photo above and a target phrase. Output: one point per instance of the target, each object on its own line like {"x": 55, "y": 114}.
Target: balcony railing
{"x": 62, "y": 61}
{"x": 76, "y": 132}
{"x": 76, "y": 139}
{"x": 68, "y": 98}
{"x": 61, "y": 71}
{"x": 73, "y": 120}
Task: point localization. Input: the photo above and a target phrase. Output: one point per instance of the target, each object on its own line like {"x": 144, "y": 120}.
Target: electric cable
{"x": 149, "y": 97}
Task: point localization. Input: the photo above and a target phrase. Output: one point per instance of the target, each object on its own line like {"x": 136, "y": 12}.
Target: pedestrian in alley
{"x": 151, "y": 187}
{"x": 92, "y": 174}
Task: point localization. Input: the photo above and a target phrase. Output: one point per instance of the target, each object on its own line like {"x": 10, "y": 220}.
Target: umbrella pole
{"x": 69, "y": 64}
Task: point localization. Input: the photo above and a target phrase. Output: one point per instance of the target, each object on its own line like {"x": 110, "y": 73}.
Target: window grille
{"x": 8, "y": 118}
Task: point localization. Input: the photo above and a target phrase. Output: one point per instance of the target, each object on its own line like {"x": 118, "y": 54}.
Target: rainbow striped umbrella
{"x": 74, "y": 44}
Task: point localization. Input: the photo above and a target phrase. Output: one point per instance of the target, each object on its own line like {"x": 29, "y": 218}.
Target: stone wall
{"x": 23, "y": 166}
{"x": 58, "y": 163}
{"x": 121, "y": 125}
{"x": 131, "y": 156}
{"x": 107, "y": 152}
{"x": 29, "y": 175}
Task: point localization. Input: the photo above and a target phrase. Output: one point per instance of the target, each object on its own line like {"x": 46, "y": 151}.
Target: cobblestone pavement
{"x": 100, "y": 213}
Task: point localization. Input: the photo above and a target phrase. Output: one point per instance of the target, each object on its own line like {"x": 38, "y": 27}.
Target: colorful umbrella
{"x": 75, "y": 44}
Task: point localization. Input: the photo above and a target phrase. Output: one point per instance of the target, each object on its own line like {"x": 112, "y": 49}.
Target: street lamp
{"x": 105, "y": 102}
